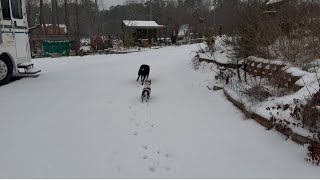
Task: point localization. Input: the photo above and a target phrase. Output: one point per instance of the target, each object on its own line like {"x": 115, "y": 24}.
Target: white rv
{"x": 15, "y": 58}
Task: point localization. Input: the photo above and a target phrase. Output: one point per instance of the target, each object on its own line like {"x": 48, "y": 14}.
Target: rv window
{"x": 16, "y": 9}
{"x": 5, "y": 9}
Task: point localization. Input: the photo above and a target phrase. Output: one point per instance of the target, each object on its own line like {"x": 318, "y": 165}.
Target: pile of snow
{"x": 85, "y": 48}
{"x": 85, "y": 41}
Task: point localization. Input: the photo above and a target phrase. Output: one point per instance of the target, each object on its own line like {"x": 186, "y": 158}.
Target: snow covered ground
{"x": 82, "y": 118}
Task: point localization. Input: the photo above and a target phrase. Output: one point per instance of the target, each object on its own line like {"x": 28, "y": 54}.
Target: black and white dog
{"x": 146, "y": 91}
{"x": 144, "y": 71}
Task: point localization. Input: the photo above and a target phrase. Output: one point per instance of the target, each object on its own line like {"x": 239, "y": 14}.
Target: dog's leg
{"x": 138, "y": 77}
{"x": 142, "y": 96}
{"x": 142, "y": 79}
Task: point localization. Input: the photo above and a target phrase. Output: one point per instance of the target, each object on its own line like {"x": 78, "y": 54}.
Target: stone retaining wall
{"x": 266, "y": 123}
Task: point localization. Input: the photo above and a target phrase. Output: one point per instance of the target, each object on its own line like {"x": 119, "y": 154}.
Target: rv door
{"x": 1, "y": 35}
{"x": 20, "y": 29}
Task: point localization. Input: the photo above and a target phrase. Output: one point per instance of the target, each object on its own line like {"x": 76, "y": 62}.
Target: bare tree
{"x": 77, "y": 18}
{"x": 44, "y": 27}
{"x": 66, "y": 17}
{"x": 57, "y": 15}
{"x": 98, "y": 25}
{"x": 53, "y": 17}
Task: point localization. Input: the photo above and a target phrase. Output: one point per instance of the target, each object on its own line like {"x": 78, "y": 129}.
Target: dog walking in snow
{"x": 144, "y": 71}
{"x": 146, "y": 91}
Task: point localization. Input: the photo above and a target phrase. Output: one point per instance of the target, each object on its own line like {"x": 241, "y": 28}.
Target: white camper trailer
{"x": 15, "y": 59}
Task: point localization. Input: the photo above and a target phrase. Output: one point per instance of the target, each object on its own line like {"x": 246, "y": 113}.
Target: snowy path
{"x": 82, "y": 118}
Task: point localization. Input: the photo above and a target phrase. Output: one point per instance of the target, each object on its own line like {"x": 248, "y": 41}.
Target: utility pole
{"x": 213, "y": 4}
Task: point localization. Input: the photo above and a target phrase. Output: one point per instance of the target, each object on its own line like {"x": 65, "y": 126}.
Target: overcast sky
{"x": 108, "y": 3}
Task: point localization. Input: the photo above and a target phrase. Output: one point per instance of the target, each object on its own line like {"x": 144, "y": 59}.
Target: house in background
{"x": 142, "y": 31}
{"x": 60, "y": 29}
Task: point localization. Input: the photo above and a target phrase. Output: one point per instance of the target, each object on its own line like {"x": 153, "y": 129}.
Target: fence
{"x": 271, "y": 71}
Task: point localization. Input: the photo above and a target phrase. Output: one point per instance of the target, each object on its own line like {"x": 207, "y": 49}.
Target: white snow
{"x": 134, "y": 23}
{"x": 205, "y": 56}
{"x": 83, "y": 118}
{"x": 85, "y": 48}
{"x": 273, "y": 1}
{"x": 267, "y": 61}
{"x": 183, "y": 30}
{"x": 221, "y": 53}
{"x": 58, "y": 25}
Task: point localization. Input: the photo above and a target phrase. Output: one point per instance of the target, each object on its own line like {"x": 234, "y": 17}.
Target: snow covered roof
{"x": 142, "y": 24}
{"x": 58, "y": 25}
{"x": 273, "y": 1}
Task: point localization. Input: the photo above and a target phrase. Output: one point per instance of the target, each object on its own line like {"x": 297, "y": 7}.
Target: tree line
{"x": 289, "y": 29}
{"x": 89, "y": 17}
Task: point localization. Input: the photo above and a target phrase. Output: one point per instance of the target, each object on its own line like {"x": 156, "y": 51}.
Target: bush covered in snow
{"x": 311, "y": 113}
{"x": 257, "y": 92}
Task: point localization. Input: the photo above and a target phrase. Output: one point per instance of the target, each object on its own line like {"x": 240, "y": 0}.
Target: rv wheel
{"x": 6, "y": 70}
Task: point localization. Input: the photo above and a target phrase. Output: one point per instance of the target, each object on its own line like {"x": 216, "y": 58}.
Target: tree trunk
{"x": 77, "y": 17}
{"x": 98, "y": 18}
{"x": 43, "y": 29}
{"x": 53, "y": 16}
{"x": 56, "y": 17}
{"x": 238, "y": 70}
{"x": 66, "y": 16}
{"x": 245, "y": 70}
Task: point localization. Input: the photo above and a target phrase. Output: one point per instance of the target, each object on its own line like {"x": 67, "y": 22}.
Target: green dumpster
{"x": 50, "y": 48}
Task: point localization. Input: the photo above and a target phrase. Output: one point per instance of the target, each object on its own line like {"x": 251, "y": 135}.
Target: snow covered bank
{"x": 275, "y": 95}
